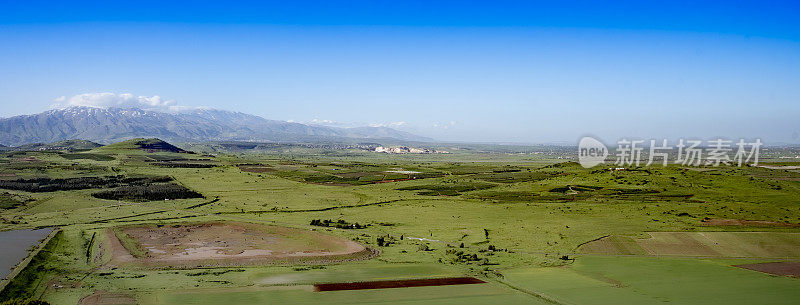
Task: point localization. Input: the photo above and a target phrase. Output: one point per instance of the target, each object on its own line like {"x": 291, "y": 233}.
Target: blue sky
{"x": 493, "y": 71}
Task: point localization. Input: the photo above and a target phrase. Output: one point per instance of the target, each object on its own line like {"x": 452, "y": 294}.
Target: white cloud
{"x": 323, "y": 122}
{"x": 447, "y": 125}
{"x": 398, "y": 124}
{"x": 332, "y": 123}
{"x": 124, "y": 100}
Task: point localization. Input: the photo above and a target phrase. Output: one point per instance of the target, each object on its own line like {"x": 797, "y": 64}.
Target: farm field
{"x": 220, "y": 243}
{"x": 711, "y": 244}
{"x": 146, "y": 222}
{"x": 648, "y": 280}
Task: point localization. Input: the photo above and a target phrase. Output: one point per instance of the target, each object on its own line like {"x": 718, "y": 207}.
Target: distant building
{"x": 407, "y": 150}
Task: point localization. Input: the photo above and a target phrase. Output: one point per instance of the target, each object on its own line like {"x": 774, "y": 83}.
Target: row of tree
{"x": 340, "y": 224}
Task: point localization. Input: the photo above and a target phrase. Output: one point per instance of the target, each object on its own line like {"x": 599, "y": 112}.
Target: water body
{"x": 14, "y": 246}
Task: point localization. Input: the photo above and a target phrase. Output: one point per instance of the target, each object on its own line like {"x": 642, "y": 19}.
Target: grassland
{"x": 536, "y": 228}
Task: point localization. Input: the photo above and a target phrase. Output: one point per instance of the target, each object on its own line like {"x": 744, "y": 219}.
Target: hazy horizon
{"x": 516, "y": 72}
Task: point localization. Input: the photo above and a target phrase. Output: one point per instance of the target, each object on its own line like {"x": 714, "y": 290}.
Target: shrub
{"x": 339, "y": 224}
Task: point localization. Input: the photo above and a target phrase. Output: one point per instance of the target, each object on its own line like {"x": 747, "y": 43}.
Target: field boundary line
{"x": 663, "y": 256}
{"x": 202, "y": 204}
{"x": 532, "y": 293}
{"x": 596, "y": 239}
{"x": 311, "y": 210}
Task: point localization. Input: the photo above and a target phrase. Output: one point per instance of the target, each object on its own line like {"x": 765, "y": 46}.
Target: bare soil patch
{"x": 106, "y": 298}
{"x": 28, "y": 159}
{"x": 256, "y": 168}
{"x": 397, "y": 284}
{"x": 229, "y": 244}
{"x": 778, "y": 268}
{"x": 748, "y": 223}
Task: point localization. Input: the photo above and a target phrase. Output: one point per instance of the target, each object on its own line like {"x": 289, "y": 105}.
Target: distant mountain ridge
{"x": 109, "y": 125}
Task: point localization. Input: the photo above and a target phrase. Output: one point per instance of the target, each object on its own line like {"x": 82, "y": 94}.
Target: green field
{"x": 644, "y": 280}
{"x": 538, "y": 229}
{"x": 711, "y": 244}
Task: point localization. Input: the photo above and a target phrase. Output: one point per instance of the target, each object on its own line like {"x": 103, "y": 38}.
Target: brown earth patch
{"x": 256, "y": 168}
{"x": 779, "y": 268}
{"x": 107, "y": 298}
{"x": 28, "y": 159}
{"x": 228, "y": 244}
{"x": 397, "y": 284}
{"x": 749, "y": 223}
{"x": 787, "y": 167}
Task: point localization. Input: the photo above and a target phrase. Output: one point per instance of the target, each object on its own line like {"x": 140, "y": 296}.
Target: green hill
{"x": 149, "y": 145}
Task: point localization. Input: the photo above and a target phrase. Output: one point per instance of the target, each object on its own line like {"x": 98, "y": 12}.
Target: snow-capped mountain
{"x": 107, "y": 125}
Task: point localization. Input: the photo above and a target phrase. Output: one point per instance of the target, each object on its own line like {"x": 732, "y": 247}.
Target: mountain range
{"x": 108, "y": 125}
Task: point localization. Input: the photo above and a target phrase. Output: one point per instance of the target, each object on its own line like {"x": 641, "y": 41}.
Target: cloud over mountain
{"x": 113, "y": 100}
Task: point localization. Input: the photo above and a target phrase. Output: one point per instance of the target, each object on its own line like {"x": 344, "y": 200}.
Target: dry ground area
{"x": 258, "y": 169}
{"x": 711, "y": 244}
{"x": 106, "y": 298}
{"x": 778, "y": 268}
{"x": 228, "y": 243}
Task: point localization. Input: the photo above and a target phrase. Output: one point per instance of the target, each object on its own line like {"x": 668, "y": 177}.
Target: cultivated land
{"x": 216, "y": 244}
{"x": 269, "y": 227}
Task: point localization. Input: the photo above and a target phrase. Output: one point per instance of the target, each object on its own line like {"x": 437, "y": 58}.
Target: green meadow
{"x": 535, "y": 227}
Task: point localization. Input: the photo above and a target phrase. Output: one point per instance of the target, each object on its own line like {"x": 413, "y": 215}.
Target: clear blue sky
{"x": 500, "y": 71}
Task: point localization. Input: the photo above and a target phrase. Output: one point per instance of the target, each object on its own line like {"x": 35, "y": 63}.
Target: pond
{"x": 14, "y": 246}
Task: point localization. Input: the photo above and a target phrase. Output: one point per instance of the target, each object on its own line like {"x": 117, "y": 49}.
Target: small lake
{"x": 14, "y": 246}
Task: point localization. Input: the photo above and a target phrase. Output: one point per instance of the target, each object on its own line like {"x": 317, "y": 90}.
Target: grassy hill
{"x": 150, "y": 145}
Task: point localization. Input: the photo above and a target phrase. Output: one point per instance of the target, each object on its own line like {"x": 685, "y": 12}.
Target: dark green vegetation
{"x": 149, "y": 145}
{"x": 87, "y": 156}
{"x": 149, "y": 192}
{"x": 339, "y": 224}
{"x": 44, "y": 184}
{"x": 457, "y": 188}
{"x": 24, "y": 302}
{"x": 539, "y": 230}
{"x": 10, "y": 201}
